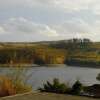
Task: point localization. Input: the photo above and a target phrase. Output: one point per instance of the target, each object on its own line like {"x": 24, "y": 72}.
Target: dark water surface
{"x": 39, "y": 75}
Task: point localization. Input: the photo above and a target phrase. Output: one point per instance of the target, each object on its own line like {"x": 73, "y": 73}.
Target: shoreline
{"x": 45, "y": 96}
{"x": 49, "y": 65}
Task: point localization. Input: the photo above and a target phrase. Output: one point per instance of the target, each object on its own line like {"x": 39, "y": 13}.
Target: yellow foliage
{"x": 6, "y": 86}
{"x": 21, "y": 87}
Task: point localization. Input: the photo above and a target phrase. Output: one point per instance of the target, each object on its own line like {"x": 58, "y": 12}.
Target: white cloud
{"x": 79, "y": 21}
{"x": 77, "y": 26}
{"x": 25, "y": 26}
{"x": 50, "y": 32}
{"x": 72, "y": 28}
{"x": 2, "y": 30}
{"x": 68, "y": 4}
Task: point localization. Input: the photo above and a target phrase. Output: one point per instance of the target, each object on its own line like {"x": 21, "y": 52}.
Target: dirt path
{"x": 45, "y": 96}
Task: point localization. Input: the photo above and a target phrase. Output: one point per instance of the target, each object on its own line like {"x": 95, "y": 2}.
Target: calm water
{"x": 39, "y": 75}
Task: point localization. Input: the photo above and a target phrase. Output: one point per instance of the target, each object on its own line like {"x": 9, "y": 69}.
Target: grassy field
{"x": 45, "y": 96}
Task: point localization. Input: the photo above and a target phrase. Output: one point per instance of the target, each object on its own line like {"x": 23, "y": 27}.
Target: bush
{"x": 77, "y": 88}
{"x": 19, "y": 80}
{"x": 21, "y": 87}
{"x": 13, "y": 83}
{"x": 6, "y": 87}
{"x": 98, "y": 77}
{"x": 55, "y": 87}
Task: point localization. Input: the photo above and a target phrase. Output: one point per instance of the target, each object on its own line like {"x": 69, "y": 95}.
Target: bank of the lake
{"x": 45, "y": 96}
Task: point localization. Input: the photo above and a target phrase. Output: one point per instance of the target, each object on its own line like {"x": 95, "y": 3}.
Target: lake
{"x": 39, "y": 75}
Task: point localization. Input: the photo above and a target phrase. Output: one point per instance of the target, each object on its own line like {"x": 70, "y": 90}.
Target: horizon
{"x": 46, "y": 40}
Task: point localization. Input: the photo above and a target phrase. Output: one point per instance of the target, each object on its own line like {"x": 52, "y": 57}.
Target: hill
{"x": 80, "y": 52}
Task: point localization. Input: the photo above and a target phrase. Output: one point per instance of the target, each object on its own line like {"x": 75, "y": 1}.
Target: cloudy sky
{"x": 37, "y": 20}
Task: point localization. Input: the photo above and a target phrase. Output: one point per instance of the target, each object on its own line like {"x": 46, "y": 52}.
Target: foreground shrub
{"x": 21, "y": 87}
{"x": 19, "y": 80}
{"x": 55, "y": 87}
{"x": 77, "y": 88}
{"x": 9, "y": 87}
{"x": 6, "y": 87}
{"x": 98, "y": 77}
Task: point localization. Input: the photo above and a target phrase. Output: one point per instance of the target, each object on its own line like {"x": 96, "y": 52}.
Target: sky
{"x": 47, "y": 20}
